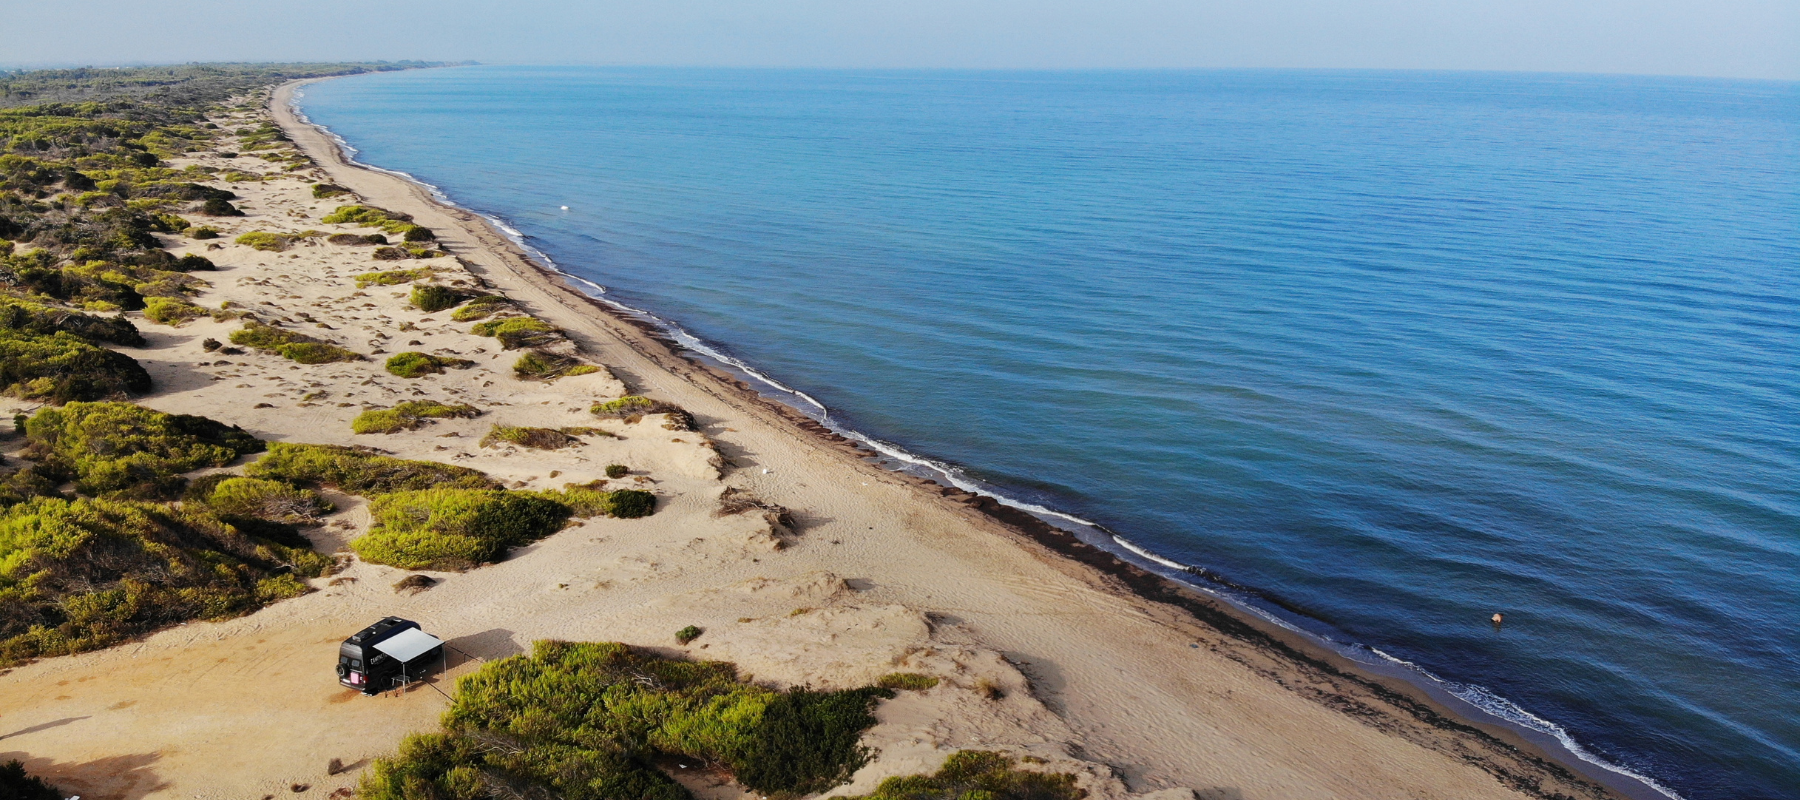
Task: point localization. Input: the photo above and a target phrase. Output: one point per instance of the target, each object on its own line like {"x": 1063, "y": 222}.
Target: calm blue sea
{"x": 1398, "y": 350}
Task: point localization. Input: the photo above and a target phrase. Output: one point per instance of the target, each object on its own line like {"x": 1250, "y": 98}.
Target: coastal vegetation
{"x": 408, "y": 416}
{"x": 631, "y": 408}
{"x": 392, "y": 222}
{"x": 291, "y": 345}
{"x": 979, "y": 775}
{"x": 482, "y": 307}
{"x": 518, "y": 332}
{"x": 360, "y": 471}
{"x": 171, "y": 310}
{"x": 591, "y": 720}
{"x": 392, "y": 277}
{"x": 413, "y": 364}
{"x": 16, "y": 784}
{"x": 455, "y": 529}
{"x": 590, "y": 500}
{"x": 688, "y": 634}
{"x": 429, "y": 297}
{"x": 536, "y": 438}
{"x": 124, "y": 450}
{"x": 272, "y": 501}
{"x": 538, "y": 365}
{"x": 911, "y": 681}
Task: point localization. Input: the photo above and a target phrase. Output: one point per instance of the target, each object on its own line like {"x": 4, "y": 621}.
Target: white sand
{"x": 883, "y": 574}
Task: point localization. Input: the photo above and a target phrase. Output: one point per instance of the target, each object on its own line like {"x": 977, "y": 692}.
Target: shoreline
{"x": 1390, "y": 702}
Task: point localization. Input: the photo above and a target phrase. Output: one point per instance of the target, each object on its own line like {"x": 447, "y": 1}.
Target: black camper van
{"x": 389, "y": 654}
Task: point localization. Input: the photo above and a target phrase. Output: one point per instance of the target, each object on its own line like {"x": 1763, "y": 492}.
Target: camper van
{"x": 389, "y": 654}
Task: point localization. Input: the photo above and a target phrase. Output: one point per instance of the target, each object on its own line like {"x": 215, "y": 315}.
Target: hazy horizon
{"x": 1724, "y": 39}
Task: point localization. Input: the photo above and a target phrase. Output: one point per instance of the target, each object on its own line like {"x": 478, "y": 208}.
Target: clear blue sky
{"x": 1734, "y": 38}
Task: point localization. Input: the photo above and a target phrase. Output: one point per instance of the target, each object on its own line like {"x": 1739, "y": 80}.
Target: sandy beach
{"x": 1045, "y": 647}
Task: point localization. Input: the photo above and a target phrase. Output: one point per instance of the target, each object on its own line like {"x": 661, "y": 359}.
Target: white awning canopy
{"x": 409, "y": 644}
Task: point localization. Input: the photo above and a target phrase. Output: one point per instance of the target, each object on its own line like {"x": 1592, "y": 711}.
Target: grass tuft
{"x": 589, "y": 500}
{"x": 430, "y": 297}
{"x": 534, "y": 438}
{"x": 293, "y": 346}
{"x": 393, "y": 277}
{"x": 537, "y": 365}
{"x": 688, "y": 634}
{"x": 171, "y": 310}
{"x": 358, "y": 471}
{"x": 481, "y": 308}
{"x": 455, "y": 529}
{"x": 517, "y": 332}
{"x": 911, "y": 681}
{"x": 413, "y": 364}
{"x": 408, "y": 416}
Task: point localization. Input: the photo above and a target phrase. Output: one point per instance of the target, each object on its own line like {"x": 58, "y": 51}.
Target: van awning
{"x": 409, "y": 644}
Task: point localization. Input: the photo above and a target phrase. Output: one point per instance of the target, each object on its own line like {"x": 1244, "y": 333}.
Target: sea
{"x": 1374, "y": 354}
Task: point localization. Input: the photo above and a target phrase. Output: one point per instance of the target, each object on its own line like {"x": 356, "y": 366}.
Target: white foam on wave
{"x": 1475, "y": 695}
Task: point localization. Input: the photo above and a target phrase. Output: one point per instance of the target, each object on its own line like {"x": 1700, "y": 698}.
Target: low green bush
{"x": 591, "y": 720}
{"x": 392, "y": 222}
{"x": 979, "y": 775}
{"x": 534, "y": 438}
{"x": 347, "y": 239}
{"x": 407, "y": 416}
{"x": 204, "y": 232}
{"x": 321, "y": 191}
{"x": 688, "y": 634}
{"x": 25, "y": 316}
{"x": 481, "y": 308}
{"x": 219, "y": 207}
{"x": 126, "y": 449}
{"x": 356, "y": 471}
{"x": 264, "y": 240}
{"x": 631, "y": 407}
{"x": 392, "y": 277}
{"x": 616, "y": 471}
{"x": 517, "y": 332}
{"x": 62, "y": 367}
{"x": 418, "y": 233}
{"x": 171, "y": 310}
{"x": 430, "y": 297}
{"x": 906, "y": 680}
{"x": 589, "y": 500}
{"x": 413, "y": 364}
{"x": 455, "y": 529}
{"x": 291, "y": 345}
{"x": 537, "y": 365}
{"x": 267, "y": 500}
{"x": 17, "y": 784}
{"x": 84, "y": 574}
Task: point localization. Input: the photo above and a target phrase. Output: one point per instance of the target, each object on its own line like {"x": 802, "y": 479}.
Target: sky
{"x": 1718, "y": 38}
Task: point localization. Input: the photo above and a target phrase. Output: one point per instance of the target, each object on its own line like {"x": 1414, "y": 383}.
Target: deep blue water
{"x": 1399, "y": 349}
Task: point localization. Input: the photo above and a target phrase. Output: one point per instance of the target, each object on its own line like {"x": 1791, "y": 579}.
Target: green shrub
{"x": 264, "y": 240}
{"x": 906, "y": 680}
{"x": 268, "y": 500}
{"x": 16, "y": 784}
{"x": 62, "y": 367}
{"x": 357, "y": 471}
{"x": 219, "y": 207}
{"x": 322, "y": 191}
{"x": 347, "y": 239}
{"x": 393, "y": 276}
{"x": 534, "y": 438}
{"x": 454, "y": 529}
{"x": 417, "y": 365}
{"x": 128, "y": 449}
{"x": 688, "y": 634}
{"x": 631, "y": 407}
{"x": 290, "y": 344}
{"x": 418, "y": 233}
{"x": 481, "y": 308}
{"x": 27, "y": 317}
{"x": 590, "y": 721}
{"x": 517, "y": 332}
{"x": 430, "y": 297}
{"x": 393, "y": 222}
{"x": 407, "y": 416}
{"x": 616, "y": 471}
{"x": 204, "y": 232}
{"x": 589, "y": 500}
{"x": 171, "y": 310}
{"x": 538, "y": 365}
{"x": 979, "y": 775}
{"x": 84, "y": 574}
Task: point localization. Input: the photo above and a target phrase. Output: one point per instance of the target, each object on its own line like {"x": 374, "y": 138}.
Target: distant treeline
{"x": 186, "y": 85}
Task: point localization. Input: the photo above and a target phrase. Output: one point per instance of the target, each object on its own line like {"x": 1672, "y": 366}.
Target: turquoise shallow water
{"x": 1395, "y": 350}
